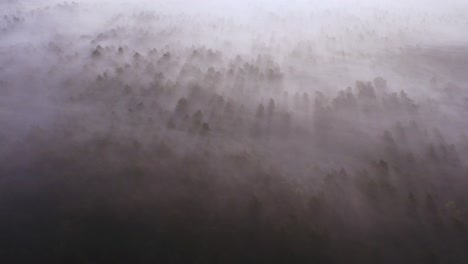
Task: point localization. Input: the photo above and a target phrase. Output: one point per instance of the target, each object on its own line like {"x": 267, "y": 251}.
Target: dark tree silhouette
{"x": 182, "y": 106}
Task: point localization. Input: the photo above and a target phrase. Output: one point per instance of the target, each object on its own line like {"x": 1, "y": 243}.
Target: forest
{"x": 233, "y": 132}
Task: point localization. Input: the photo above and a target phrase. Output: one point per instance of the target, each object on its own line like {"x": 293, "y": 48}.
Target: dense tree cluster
{"x": 176, "y": 138}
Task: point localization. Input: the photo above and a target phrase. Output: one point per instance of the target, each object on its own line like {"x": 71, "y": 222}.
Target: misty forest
{"x": 180, "y": 131}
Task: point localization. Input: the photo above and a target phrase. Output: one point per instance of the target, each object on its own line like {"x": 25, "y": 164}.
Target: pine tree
{"x": 182, "y": 106}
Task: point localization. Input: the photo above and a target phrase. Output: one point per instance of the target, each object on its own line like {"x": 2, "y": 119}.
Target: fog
{"x": 207, "y": 131}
